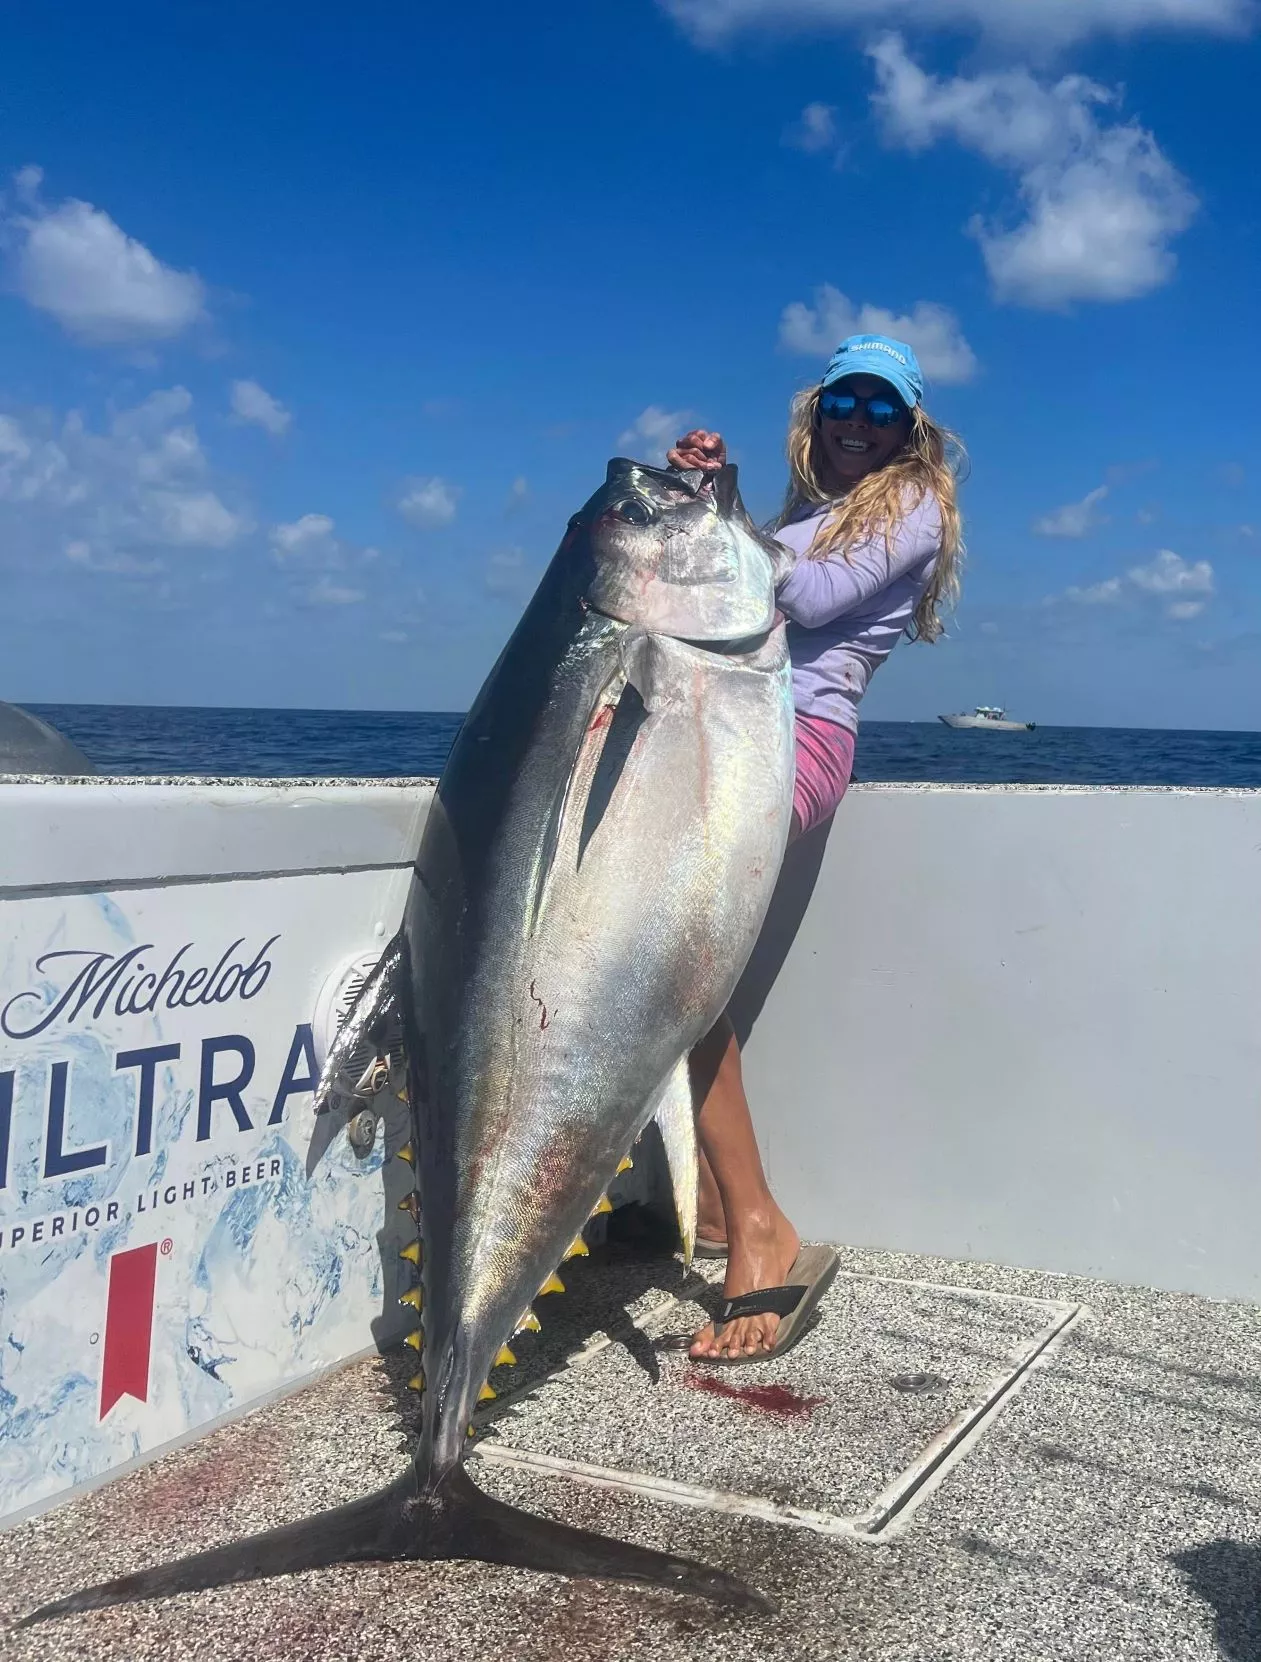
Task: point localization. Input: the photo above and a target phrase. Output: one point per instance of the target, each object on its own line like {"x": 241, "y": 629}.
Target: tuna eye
{"x": 635, "y": 510}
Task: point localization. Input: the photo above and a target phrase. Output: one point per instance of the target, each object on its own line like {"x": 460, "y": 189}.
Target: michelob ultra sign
{"x": 174, "y": 1241}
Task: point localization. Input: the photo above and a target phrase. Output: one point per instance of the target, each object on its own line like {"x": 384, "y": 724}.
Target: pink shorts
{"x": 825, "y": 760}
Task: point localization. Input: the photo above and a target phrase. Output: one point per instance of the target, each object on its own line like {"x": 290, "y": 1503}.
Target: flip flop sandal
{"x": 794, "y": 1303}
{"x": 709, "y": 1249}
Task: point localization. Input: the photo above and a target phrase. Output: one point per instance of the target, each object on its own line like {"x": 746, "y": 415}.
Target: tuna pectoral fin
{"x": 484, "y": 1528}
{"x": 367, "y": 1018}
{"x": 647, "y": 666}
{"x": 377, "y": 1527}
{"x": 676, "y": 1120}
{"x": 454, "y": 1519}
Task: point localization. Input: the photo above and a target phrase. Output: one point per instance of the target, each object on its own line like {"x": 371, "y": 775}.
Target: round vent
{"x": 335, "y": 1001}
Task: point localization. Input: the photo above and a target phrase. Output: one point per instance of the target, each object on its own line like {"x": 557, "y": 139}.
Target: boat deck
{"x": 961, "y": 1461}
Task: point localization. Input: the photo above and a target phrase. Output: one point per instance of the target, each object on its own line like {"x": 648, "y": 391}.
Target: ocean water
{"x": 143, "y": 739}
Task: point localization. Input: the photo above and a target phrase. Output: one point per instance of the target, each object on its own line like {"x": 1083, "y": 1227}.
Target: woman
{"x": 871, "y": 510}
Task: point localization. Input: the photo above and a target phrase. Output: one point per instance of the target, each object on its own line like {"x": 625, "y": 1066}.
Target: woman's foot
{"x": 760, "y": 1254}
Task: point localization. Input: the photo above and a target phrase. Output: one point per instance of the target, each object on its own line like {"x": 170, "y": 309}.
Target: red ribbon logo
{"x": 128, "y": 1326}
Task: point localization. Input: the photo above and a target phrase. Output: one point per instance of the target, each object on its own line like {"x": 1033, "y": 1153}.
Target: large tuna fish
{"x": 592, "y": 876}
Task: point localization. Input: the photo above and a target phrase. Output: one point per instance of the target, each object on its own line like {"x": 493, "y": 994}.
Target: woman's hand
{"x": 698, "y": 448}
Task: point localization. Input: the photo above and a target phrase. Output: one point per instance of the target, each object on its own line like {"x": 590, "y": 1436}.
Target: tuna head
{"x": 676, "y": 554}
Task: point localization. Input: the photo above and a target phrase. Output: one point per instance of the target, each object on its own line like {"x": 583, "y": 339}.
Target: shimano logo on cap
{"x": 877, "y": 346}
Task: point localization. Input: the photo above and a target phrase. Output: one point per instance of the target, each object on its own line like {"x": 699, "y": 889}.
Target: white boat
{"x": 990, "y": 716}
{"x": 181, "y": 1243}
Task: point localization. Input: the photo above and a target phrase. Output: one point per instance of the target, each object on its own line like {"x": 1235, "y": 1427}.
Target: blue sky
{"x": 317, "y": 323}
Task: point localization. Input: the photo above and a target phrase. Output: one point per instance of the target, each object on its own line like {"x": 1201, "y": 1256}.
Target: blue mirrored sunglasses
{"x": 840, "y": 406}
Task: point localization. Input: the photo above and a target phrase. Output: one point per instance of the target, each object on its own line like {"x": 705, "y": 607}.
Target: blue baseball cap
{"x": 891, "y": 360}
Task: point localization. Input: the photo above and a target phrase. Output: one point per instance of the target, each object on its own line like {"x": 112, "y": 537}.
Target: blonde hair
{"x": 931, "y": 460}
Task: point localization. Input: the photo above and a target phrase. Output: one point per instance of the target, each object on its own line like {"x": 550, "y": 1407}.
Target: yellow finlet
{"x": 553, "y": 1284}
{"x": 402, "y": 1095}
{"x": 415, "y": 1297}
{"x": 529, "y": 1323}
{"x": 604, "y": 1204}
{"x": 579, "y": 1249}
{"x": 410, "y": 1204}
{"x": 486, "y": 1394}
{"x": 416, "y": 1340}
{"x": 625, "y": 1165}
{"x": 416, "y": 1382}
{"x": 408, "y": 1153}
{"x": 412, "y": 1253}
{"x": 505, "y": 1359}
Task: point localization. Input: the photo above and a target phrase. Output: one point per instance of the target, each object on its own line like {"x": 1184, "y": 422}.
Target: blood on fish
{"x": 768, "y": 1399}
{"x": 544, "y": 1019}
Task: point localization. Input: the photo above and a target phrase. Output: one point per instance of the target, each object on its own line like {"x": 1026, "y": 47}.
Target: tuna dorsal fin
{"x": 676, "y": 1120}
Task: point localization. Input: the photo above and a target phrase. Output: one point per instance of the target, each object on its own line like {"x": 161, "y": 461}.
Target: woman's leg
{"x": 710, "y": 1224}
{"x": 762, "y": 1244}
{"x": 735, "y": 1200}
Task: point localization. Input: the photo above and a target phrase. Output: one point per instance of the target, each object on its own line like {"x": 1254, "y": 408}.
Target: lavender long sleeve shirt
{"x": 847, "y": 614}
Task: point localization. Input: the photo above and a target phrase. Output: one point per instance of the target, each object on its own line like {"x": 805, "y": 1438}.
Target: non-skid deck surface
{"x": 836, "y": 1429}
{"x": 1065, "y": 1469}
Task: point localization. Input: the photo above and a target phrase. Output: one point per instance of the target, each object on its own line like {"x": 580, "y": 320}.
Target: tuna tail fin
{"x": 374, "y": 1528}
{"x": 452, "y": 1519}
{"x": 488, "y": 1529}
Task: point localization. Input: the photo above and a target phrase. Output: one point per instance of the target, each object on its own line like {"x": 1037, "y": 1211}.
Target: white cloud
{"x": 251, "y": 403}
{"x": 815, "y": 129}
{"x": 518, "y": 495}
{"x": 109, "y": 498}
{"x": 195, "y": 519}
{"x": 152, "y": 417}
{"x": 312, "y": 533}
{"x": 1035, "y": 22}
{"x": 395, "y": 637}
{"x": 122, "y": 564}
{"x": 1098, "y": 594}
{"x": 1181, "y": 589}
{"x": 428, "y": 502}
{"x": 1074, "y": 519}
{"x": 101, "y": 285}
{"x": 324, "y": 567}
{"x": 652, "y": 433}
{"x": 126, "y": 565}
{"x": 1170, "y": 574}
{"x": 931, "y": 330}
{"x": 1101, "y": 202}
{"x": 325, "y": 592}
